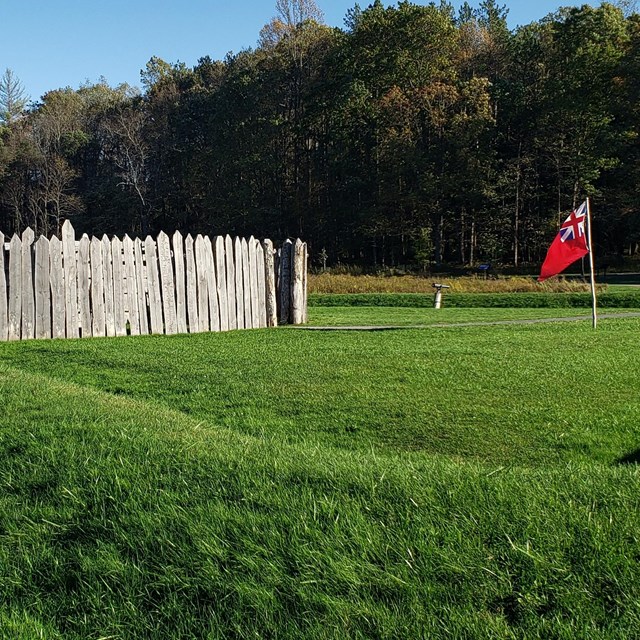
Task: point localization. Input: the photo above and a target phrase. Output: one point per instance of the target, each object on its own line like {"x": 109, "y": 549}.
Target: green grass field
{"x": 416, "y": 316}
{"x": 464, "y": 482}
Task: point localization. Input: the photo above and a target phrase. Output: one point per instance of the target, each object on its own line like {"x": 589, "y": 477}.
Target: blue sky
{"x": 50, "y": 44}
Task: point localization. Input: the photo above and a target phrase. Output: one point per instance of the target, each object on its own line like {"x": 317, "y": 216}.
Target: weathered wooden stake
{"x": 284, "y": 284}
{"x": 237, "y": 246}
{"x": 192, "y": 285}
{"x": 4, "y": 316}
{"x": 131, "y": 287}
{"x": 15, "y": 288}
{"x": 43, "y": 289}
{"x": 84, "y": 300}
{"x": 181, "y": 291}
{"x": 141, "y": 285}
{"x": 70, "y": 279}
{"x": 231, "y": 282}
{"x": 28, "y": 300}
{"x": 153, "y": 282}
{"x": 98, "y": 322}
{"x": 203, "y": 294}
{"x": 58, "y": 306}
{"x": 246, "y": 285}
{"x": 221, "y": 283}
{"x": 270, "y": 284}
{"x": 167, "y": 285}
{"x": 297, "y": 292}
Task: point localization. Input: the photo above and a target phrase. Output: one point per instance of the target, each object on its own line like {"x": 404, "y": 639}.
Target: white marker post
{"x": 437, "y": 303}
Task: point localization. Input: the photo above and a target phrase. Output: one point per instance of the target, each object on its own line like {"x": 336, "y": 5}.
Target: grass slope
{"x": 442, "y": 483}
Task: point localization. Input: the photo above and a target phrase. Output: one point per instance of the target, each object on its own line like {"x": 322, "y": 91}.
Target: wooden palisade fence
{"x": 111, "y": 287}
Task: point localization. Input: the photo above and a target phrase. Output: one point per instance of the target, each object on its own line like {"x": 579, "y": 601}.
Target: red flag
{"x": 568, "y": 246}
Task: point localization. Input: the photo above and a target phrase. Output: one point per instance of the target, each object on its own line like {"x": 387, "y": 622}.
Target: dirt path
{"x": 488, "y": 323}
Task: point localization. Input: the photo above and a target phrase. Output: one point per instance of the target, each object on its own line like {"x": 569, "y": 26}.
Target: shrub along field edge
{"x": 626, "y": 300}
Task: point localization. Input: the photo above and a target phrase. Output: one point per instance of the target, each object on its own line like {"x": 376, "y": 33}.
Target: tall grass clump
{"x": 349, "y": 283}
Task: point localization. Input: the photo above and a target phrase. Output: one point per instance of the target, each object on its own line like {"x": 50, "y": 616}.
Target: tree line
{"x": 414, "y": 135}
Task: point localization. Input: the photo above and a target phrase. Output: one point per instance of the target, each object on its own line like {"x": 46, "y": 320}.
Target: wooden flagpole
{"x": 591, "y": 269}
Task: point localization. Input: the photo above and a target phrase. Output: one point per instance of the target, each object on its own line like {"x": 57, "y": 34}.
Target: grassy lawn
{"x": 476, "y": 482}
{"x": 411, "y": 316}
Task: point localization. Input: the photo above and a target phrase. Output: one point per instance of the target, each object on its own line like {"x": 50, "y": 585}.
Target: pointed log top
{"x": 42, "y": 240}
{"x": 15, "y": 238}
{"x": 244, "y": 242}
{"x": 105, "y": 238}
{"x": 84, "y": 235}
{"x": 55, "y": 241}
{"x": 177, "y": 234}
{"x": 298, "y": 243}
{"x": 66, "y": 226}
{"x": 28, "y": 235}
{"x": 163, "y": 235}
{"x": 189, "y": 238}
{"x": 287, "y": 241}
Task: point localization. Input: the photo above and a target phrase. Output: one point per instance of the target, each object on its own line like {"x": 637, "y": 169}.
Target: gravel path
{"x": 601, "y": 316}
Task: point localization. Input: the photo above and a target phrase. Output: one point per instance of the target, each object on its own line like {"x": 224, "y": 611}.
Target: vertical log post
{"x": 203, "y": 296}
{"x": 153, "y": 283}
{"x": 28, "y": 299}
{"x": 221, "y": 283}
{"x": 141, "y": 285}
{"x": 15, "y": 288}
{"x": 167, "y": 288}
{"x": 181, "y": 292}
{"x": 131, "y": 285}
{"x": 4, "y": 316}
{"x": 107, "y": 283}
{"x": 270, "y": 283}
{"x": 98, "y": 323}
{"x": 119, "y": 311}
{"x": 192, "y": 285}
{"x": 297, "y": 291}
{"x": 58, "y": 329}
{"x": 231, "y": 282}
{"x": 43, "y": 289}
{"x": 237, "y": 255}
{"x": 284, "y": 282}
{"x": 212, "y": 287}
{"x": 69, "y": 265}
{"x": 84, "y": 302}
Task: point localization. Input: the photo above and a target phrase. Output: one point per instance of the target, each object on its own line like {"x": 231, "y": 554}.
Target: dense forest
{"x": 415, "y": 135}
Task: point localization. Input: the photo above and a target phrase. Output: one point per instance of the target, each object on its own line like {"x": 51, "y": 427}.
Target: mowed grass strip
{"x": 124, "y": 514}
{"x": 412, "y": 316}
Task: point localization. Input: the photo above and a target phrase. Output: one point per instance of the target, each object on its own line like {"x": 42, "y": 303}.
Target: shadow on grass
{"x": 630, "y": 458}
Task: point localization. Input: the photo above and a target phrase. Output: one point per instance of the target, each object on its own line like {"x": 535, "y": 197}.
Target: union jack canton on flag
{"x": 568, "y": 246}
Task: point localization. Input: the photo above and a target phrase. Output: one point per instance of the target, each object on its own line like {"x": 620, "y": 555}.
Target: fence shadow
{"x": 630, "y": 458}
